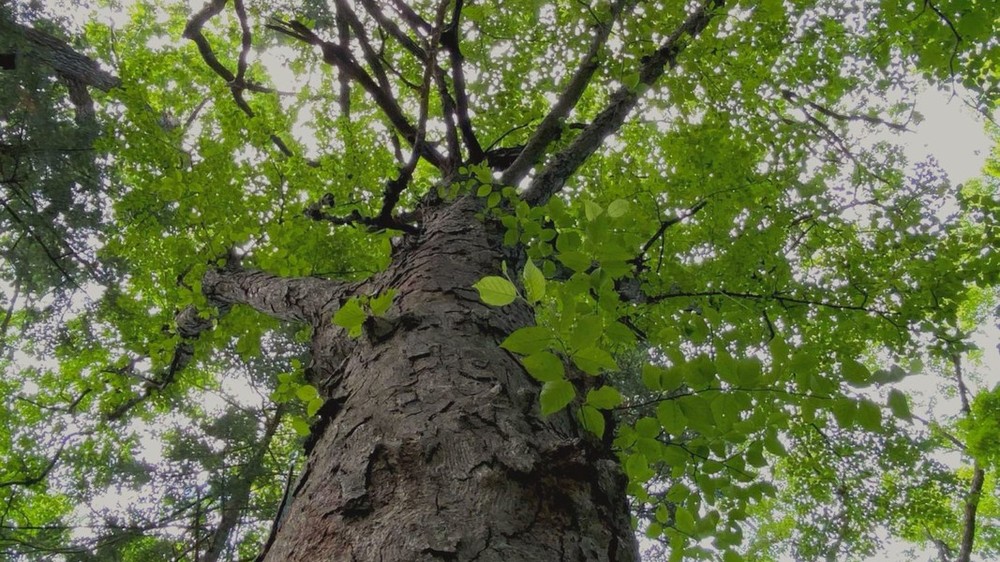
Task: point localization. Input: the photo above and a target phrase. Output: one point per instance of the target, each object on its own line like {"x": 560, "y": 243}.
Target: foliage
{"x": 731, "y": 291}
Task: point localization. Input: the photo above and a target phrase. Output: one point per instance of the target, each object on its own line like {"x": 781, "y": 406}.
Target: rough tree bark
{"x": 431, "y": 445}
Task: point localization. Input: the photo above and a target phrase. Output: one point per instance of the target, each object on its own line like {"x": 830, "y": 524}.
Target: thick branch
{"x": 610, "y": 119}
{"x": 551, "y": 126}
{"x": 452, "y": 109}
{"x": 978, "y": 474}
{"x": 344, "y": 36}
{"x": 385, "y": 219}
{"x": 237, "y": 83}
{"x": 193, "y": 32}
{"x": 292, "y": 299}
{"x": 374, "y": 10}
{"x": 296, "y": 299}
{"x": 62, "y": 58}
{"x": 969, "y": 520}
{"x": 343, "y": 60}
{"x": 412, "y": 18}
{"x": 450, "y": 41}
{"x": 396, "y": 187}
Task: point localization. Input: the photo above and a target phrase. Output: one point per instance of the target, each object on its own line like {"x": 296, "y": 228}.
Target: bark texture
{"x": 431, "y": 445}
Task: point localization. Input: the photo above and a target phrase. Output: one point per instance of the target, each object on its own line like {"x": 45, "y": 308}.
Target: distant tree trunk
{"x": 431, "y": 445}
{"x": 40, "y": 47}
{"x": 236, "y": 496}
{"x": 77, "y": 71}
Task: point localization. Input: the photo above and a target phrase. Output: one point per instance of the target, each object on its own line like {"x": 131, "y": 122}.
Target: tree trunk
{"x": 58, "y": 55}
{"x": 431, "y": 445}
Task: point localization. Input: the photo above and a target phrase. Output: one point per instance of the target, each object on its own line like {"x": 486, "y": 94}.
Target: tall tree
{"x": 566, "y": 270}
{"x": 49, "y": 168}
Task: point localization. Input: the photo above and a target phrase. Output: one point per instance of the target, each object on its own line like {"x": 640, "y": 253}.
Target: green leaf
{"x": 493, "y": 199}
{"x": 618, "y": 208}
{"x": 300, "y": 426}
{"x": 755, "y": 454}
{"x": 651, "y": 375}
{"x": 671, "y": 417}
{"x": 544, "y": 366}
{"x": 306, "y": 392}
{"x": 577, "y": 261}
{"x": 732, "y": 556}
{"x": 774, "y": 445}
{"x": 496, "y": 291}
{"x": 683, "y": 520}
{"x": 749, "y": 371}
{"x": 592, "y": 420}
{"x": 698, "y": 411}
{"x": 587, "y": 331}
{"x": 647, "y": 427}
{"x": 637, "y": 468}
{"x": 380, "y": 305}
{"x": 592, "y": 210}
{"x": 314, "y": 405}
{"x": 593, "y": 360}
{"x": 529, "y": 340}
{"x": 899, "y": 404}
{"x": 604, "y": 398}
{"x": 869, "y": 415}
{"x": 855, "y": 373}
{"x": 534, "y": 282}
{"x": 350, "y": 316}
{"x": 556, "y": 395}
{"x": 844, "y": 411}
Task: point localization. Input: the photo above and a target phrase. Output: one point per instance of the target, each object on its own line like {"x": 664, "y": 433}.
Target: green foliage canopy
{"x": 727, "y": 290}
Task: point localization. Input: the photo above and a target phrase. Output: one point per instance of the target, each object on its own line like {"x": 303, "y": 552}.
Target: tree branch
{"x": 394, "y": 188}
{"x": 61, "y": 57}
{"x": 969, "y": 519}
{"x": 551, "y": 126}
{"x": 450, "y": 41}
{"x": 374, "y": 10}
{"x": 413, "y": 19}
{"x": 776, "y": 296}
{"x": 792, "y": 96}
{"x": 292, "y": 299}
{"x": 978, "y": 474}
{"x": 344, "y": 36}
{"x": 664, "y": 225}
{"x": 343, "y": 60}
{"x": 237, "y": 494}
{"x": 554, "y": 175}
{"x": 28, "y": 481}
{"x": 237, "y": 83}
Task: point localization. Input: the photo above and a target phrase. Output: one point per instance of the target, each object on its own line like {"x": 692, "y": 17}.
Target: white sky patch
{"x": 951, "y": 132}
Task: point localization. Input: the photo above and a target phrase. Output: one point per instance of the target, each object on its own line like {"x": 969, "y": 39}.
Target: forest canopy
{"x": 519, "y": 280}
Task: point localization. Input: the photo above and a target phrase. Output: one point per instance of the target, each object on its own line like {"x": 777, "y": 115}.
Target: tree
{"x": 564, "y": 271}
{"x": 48, "y": 165}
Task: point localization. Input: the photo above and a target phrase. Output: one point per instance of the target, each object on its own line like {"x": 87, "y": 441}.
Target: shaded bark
{"x": 60, "y": 56}
{"x": 431, "y": 445}
{"x": 969, "y": 519}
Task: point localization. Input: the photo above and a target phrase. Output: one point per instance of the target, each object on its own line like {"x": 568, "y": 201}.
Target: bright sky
{"x": 952, "y": 133}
